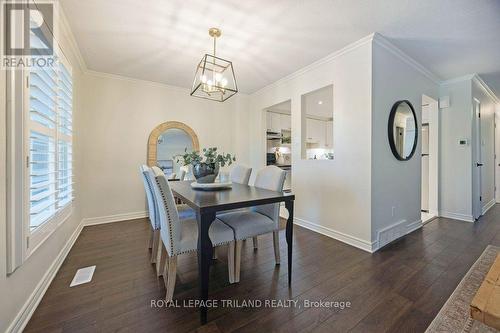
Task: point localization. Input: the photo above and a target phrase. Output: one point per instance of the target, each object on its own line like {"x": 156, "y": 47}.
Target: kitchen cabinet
{"x": 329, "y": 135}
{"x": 316, "y": 132}
{"x": 278, "y": 121}
{"x": 286, "y": 121}
{"x": 269, "y": 121}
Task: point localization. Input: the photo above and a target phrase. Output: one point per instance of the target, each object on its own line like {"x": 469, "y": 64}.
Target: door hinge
{"x": 28, "y": 242}
{"x": 480, "y": 198}
{"x": 28, "y": 161}
{"x": 27, "y": 81}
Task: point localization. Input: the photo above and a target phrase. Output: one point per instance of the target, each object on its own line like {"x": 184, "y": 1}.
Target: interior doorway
{"x": 430, "y": 159}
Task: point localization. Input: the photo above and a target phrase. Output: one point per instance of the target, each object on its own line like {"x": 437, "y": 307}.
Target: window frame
{"x": 22, "y": 242}
{"x": 36, "y": 237}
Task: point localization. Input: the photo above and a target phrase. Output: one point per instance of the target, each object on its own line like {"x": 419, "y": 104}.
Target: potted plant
{"x": 206, "y": 164}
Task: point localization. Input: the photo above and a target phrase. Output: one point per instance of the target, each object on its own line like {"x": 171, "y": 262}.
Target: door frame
{"x": 477, "y": 205}
{"x": 432, "y": 120}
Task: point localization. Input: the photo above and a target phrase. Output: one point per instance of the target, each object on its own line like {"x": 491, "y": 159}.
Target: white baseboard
{"x": 24, "y": 315}
{"x": 414, "y": 226}
{"x": 114, "y": 218}
{"x": 340, "y": 236}
{"x": 488, "y": 205}
{"x": 457, "y": 216}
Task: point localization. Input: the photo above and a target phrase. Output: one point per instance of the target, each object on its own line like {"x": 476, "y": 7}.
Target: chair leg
{"x": 155, "y": 245}
{"x": 151, "y": 236}
{"x": 255, "y": 243}
{"x": 170, "y": 280}
{"x": 237, "y": 260}
{"x": 161, "y": 259}
{"x": 214, "y": 253}
{"x": 276, "y": 242}
{"x": 230, "y": 261}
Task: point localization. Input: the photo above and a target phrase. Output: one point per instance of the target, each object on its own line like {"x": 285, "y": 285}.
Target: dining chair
{"x": 241, "y": 174}
{"x": 182, "y": 237}
{"x": 155, "y": 227}
{"x": 188, "y": 174}
{"x": 182, "y": 174}
{"x": 257, "y": 220}
{"x": 154, "y": 240}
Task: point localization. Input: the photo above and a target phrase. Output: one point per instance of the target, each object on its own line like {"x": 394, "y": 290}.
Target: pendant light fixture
{"x": 214, "y": 78}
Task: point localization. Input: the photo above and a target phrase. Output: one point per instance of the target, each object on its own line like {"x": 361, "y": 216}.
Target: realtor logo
{"x": 27, "y": 34}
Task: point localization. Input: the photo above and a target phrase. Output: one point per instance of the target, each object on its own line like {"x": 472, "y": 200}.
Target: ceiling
{"x": 163, "y": 41}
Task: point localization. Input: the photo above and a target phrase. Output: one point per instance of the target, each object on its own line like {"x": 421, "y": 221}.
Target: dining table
{"x": 207, "y": 203}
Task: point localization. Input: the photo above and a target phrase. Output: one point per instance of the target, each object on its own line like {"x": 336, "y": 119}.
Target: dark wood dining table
{"x": 208, "y": 203}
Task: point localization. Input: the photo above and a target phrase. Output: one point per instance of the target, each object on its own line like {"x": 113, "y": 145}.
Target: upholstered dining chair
{"x": 155, "y": 226}
{"x": 240, "y": 174}
{"x": 258, "y": 220}
{"x": 154, "y": 240}
{"x": 181, "y": 237}
{"x": 188, "y": 174}
{"x": 182, "y": 174}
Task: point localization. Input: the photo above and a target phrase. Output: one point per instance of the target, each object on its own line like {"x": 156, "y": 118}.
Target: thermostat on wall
{"x": 463, "y": 142}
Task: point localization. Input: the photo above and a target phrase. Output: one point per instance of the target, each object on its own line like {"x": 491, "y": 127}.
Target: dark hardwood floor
{"x": 398, "y": 289}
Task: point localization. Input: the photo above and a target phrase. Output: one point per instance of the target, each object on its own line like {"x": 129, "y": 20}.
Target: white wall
{"x": 457, "y": 161}
{"x": 395, "y": 183}
{"x": 332, "y": 197}
{"x": 488, "y": 106}
{"x": 16, "y": 289}
{"x": 455, "y": 198}
{"x": 121, "y": 113}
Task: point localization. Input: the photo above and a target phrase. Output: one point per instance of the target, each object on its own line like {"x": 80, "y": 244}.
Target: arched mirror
{"x": 168, "y": 140}
{"x": 402, "y": 130}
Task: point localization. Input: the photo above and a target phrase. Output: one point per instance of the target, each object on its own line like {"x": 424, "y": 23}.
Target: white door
{"x": 477, "y": 205}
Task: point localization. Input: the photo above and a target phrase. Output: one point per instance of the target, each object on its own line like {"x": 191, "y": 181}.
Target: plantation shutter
{"x": 50, "y": 141}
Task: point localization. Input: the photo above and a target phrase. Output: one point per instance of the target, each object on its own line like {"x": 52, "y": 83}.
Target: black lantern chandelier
{"x": 214, "y": 78}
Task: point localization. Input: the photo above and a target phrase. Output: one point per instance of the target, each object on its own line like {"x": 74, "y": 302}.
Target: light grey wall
{"x": 394, "y": 183}
{"x": 455, "y": 195}
{"x": 120, "y": 115}
{"x": 332, "y": 196}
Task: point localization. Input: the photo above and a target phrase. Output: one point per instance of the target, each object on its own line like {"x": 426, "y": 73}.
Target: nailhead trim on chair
{"x": 150, "y": 186}
{"x": 169, "y": 218}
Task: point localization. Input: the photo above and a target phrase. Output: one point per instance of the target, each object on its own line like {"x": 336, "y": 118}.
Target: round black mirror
{"x": 402, "y": 130}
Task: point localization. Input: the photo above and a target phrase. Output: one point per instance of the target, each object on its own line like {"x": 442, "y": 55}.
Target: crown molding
{"x": 389, "y": 46}
{"x": 73, "y": 45}
{"x": 487, "y": 90}
{"x": 142, "y": 81}
{"x": 316, "y": 64}
{"x": 134, "y": 80}
{"x": 459, "y": 79}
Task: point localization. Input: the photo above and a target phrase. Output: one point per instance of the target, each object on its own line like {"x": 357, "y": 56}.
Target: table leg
{"x": 204, "y": 258}
{"x": 289, "y": 237}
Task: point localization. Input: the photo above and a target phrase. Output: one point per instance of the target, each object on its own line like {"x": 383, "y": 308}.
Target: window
{"x": 39, "y": 144}
{"x": 50, "y": 142}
